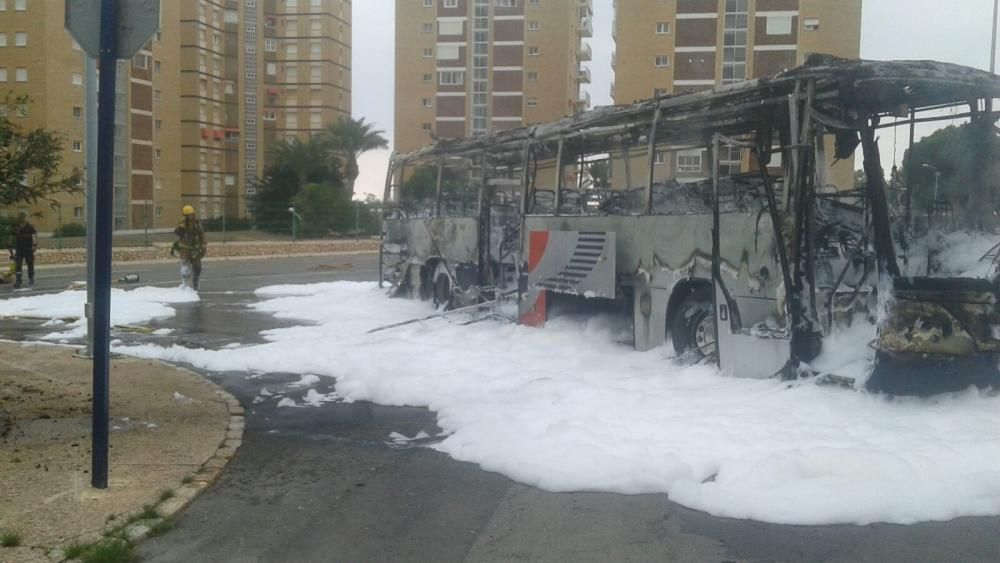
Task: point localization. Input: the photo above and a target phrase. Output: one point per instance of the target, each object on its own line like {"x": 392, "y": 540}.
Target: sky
{"x": 956, "y": 31}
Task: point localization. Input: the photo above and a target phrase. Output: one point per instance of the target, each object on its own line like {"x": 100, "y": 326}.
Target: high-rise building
{"x": 197, "y": 107}
{"x": 670, "y": 46}
{"x": 470, "y": 67}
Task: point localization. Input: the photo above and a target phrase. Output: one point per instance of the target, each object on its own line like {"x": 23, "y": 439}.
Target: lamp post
{"x": 937, "y": 178}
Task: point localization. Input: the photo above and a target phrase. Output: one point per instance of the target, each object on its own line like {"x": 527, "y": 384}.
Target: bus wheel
{"x": 692, "y": 327}
{"x": 442, "y": 289}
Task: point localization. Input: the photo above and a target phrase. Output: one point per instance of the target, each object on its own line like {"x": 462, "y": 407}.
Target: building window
{"x": 3, "y": 5}
{"x": 811, "y": 24}
{"x": 532, "y": 77}
{"x": 779, "y": 25}
{"x": 428, "y": 53}
{"x": 270, "y": 45}
{"x": 21, "y": 74}
{"x": 451, "y": 77}
{"x": 734, "y": 50}
{"x": 77, "y": 146}
{"x": 428, "y": 3}
{"x": 77, "y": 112}
{"x": 270, "y": 116}
{"x": 450, "y": 3}
{"x": 140, "y": 61}
{"x": 532, "y": 102}
{"x": 533, "y": 51}
{"x": 428, "y": 27}
{"x": 534, "y": 26}
{"x": 158, "y": 124}
{"x": 428, "y": 77}
{"x": 425, "y": 126}
{"x": 689, "y": 162}
{"x": 272, "y": 69}
{"x": 157, "y": 154}
{"x": 451, "y": 28}
{"x": 658, "y": 92}
{"x": 506, "y": 3}
{"x": 3, "y": 74}
{"x": 661, "y": 158}
{"x": 20, "y": 39}
{"x": 3, "y": 39}
{"x": 662, "y": 60}
{"x": 77, "y": 212}
{"x": 533, "y": 2}
{"x": 448, "y": 52}
{"x": 20, "y": 5}
{"x": 291, "y": 74}
{"x": 662, "y": 28}
{"x": 427, "y": 103}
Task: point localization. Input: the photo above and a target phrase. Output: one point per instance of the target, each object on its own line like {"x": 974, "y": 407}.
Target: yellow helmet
{"x": 188, "y": 210}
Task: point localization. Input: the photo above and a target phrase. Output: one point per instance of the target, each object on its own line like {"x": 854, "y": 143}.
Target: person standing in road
{"x": 191, "y": 245}
{"x": 24, "y": 243}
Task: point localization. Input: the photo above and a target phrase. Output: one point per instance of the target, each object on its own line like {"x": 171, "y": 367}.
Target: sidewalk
{"x": 171, "y": 434}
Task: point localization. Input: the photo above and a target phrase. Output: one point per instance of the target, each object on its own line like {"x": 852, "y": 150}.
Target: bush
{"x": 70, "y": 230}
{"x": 322, "y": 209}
{"x": 232, "y": 224}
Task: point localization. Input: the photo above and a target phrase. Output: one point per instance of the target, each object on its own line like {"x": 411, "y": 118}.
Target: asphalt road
{"x": 324, "y": 484}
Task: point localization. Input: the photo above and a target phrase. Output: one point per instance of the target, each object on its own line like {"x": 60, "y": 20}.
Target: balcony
{"x": 583, "y": 77}
{"x": 586, "y": 52}
{"x": 586, "y": 8}
{"x": 583, "y": 101}
{"x": 586, "y": 27}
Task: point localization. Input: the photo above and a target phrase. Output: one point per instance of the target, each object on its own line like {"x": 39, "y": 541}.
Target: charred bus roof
{"x": 846, "y": 93}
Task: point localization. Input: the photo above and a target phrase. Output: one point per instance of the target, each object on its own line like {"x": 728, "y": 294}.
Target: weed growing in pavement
{"x": 161, "y": 527}
{"x": 112, "y": 550}
{"x": 187, "y": 480}
{"x": 10, "y": 539}
{"x": 75, "y": 550}
{"x": 166, "y": 495}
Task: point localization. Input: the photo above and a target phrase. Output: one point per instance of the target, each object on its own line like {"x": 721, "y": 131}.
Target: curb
{"x": 137, "y": 528}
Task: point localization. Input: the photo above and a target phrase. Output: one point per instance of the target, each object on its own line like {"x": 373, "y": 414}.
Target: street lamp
{"x": 937, "y": 178}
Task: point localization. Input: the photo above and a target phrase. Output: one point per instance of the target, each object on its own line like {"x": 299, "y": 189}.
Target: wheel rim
{"x": 704, "y": 335}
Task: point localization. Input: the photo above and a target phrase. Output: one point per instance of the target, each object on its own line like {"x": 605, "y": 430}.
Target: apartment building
{"x": 197, "y": 107}
{"x": 471, "y": 67}
{"x": 669, "y": 46}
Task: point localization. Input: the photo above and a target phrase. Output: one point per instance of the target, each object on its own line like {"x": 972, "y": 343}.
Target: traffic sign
{"x": 138, "y": 20}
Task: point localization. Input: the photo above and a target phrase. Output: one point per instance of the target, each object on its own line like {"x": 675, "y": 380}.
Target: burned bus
{"x": 749, "y": 265}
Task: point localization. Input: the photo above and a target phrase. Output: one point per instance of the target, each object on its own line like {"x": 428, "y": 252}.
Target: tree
{"x": 347, "y": 140}
{"x": 303, "y": 159}
{"x": 276, "y": 190}
{"x": 324, "y": 209}
{"x": 31, "y": 160}
{"x": 958, "y": 153}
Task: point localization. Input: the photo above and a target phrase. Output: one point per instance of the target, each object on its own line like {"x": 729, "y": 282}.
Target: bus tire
{"x": 692, "y": 327}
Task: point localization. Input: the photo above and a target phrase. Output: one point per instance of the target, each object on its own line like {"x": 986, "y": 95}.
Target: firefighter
{"x": 23, "y": 243}
{"x": 190, "y": 245}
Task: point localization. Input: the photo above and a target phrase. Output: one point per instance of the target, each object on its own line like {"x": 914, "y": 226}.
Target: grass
{"x": 166, "y": 495}
{"x": 112, "y": 550}
{"x": 75, "y": 550}
{"x": 148, "y": 513}
{"x": 187, "y": 480}
{"x": 10, "y": 539}
{"x": 161, "y": 527}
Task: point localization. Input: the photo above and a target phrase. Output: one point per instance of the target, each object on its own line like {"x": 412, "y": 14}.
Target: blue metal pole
{"x": 102, "y": 232}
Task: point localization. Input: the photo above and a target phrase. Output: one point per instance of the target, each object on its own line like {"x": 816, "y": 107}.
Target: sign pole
{"x": 102, "y": 230}
{"x": 90, "y": 80}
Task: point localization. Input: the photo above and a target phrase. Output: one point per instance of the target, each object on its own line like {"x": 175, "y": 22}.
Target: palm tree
{"x": 348, "y": 139}
{"x": 304, "y": 159}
